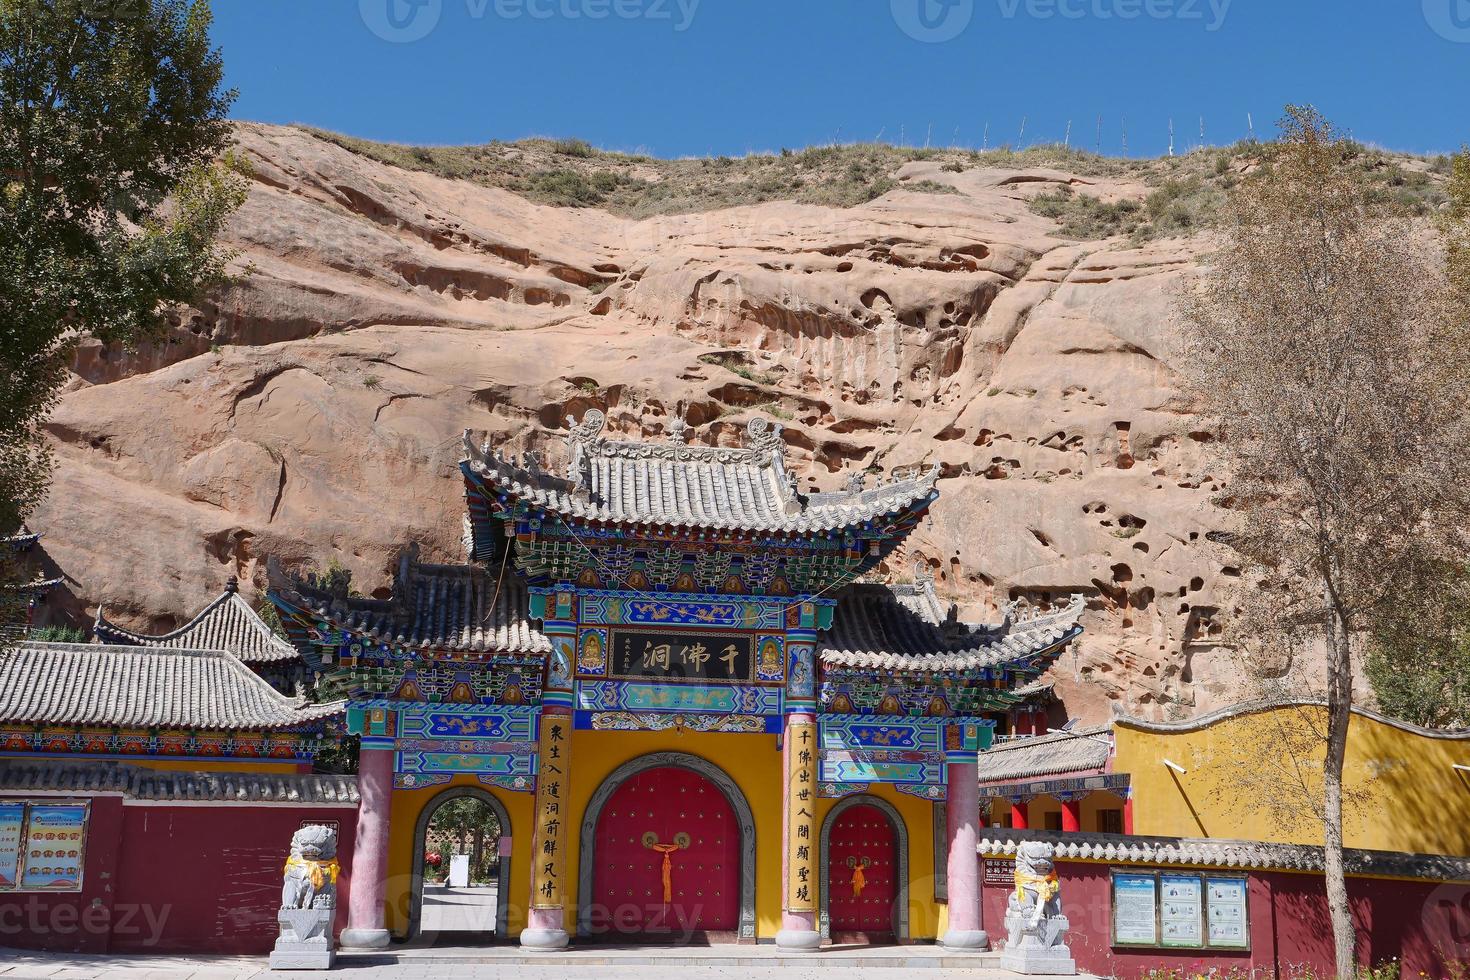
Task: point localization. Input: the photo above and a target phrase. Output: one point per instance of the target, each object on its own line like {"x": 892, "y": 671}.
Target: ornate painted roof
{"x": 140, "y": 783}
{"x": 1046, "y": 755}
{"x": 1220, "y": 853}
{"x": 445, "y": 607}
{"x": 873, "y": 628}
{"x": 143, "y": 687}
{"x": 679, "y": 485}
{"x": 227, "y": 623}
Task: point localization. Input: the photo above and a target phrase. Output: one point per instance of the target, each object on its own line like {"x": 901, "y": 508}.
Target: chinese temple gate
{"x": 663, "y": 663}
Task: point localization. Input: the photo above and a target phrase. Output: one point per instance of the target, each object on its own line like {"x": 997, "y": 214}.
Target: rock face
{"x": 312, "y": 409}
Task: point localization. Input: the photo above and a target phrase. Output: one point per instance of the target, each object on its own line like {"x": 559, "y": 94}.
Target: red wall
{"x": 1408, "y": 920}
{"x": 174, "y": 879}
{"x": 77, "y": 922}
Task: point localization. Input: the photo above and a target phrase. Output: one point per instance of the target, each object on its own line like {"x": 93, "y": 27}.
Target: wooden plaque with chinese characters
{"x": 682, "y": 657}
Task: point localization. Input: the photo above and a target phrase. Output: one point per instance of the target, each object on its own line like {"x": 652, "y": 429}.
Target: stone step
{"x": 904, "y": 958}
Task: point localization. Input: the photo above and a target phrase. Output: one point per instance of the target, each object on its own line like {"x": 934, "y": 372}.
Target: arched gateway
{"x": 668, "y": 854}
{"x": 681, "y": 593}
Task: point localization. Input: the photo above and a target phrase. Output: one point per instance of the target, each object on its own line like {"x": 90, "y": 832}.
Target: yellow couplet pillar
{"x": 799, "y": 900}
{"x": 546, "y": 922}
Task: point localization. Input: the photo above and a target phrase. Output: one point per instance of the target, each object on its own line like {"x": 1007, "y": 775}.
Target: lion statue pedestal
{"x": 308, "y": 902}
{"x": 1035, "y": 925}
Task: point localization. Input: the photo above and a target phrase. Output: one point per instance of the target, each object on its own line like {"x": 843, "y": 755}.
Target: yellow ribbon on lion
{"x": 1046, "y": 886}
{"x": 320, "y": 872}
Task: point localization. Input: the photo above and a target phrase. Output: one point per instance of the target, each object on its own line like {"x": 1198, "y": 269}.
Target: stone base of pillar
{"x": 974, "y": 939}
{"x": 364, "y": 938}
{"x": 799, "y": 940}
{"x": 544, "y": 940}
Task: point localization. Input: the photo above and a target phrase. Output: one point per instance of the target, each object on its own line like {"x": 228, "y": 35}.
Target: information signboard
{"x": 55, "y": 839}
{"x": 1174, "y": 909}
{"x": 1135, "y": 909}
{"x": 1227, "y": 912}
{"x": 1181, "y": 908}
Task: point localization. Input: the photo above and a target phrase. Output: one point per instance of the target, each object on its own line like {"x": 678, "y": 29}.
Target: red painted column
{"x": 962, "y": 825}
{"x": 369, "y": 869}
{"x": 1128, "y": 813}
{"x": 1071, "y": 816}
{"x": 1019, "y": 815}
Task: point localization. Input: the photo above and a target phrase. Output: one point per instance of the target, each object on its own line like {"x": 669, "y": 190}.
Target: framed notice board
{"x": 42, "y": 845}
{"x": 1180, "y": 910}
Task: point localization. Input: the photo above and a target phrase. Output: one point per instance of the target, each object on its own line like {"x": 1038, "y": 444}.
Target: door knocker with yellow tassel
{"x": 859, "y": 880}
{"x": 681, "y": 841}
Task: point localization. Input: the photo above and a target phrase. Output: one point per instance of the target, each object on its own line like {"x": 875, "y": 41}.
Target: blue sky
{"x": 690, "y": 77}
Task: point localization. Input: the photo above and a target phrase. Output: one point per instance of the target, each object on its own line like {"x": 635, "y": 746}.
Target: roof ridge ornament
{"x": 678, "y": 430}
{"x": 582, "y": 439}
{"x": 763, "y": 437}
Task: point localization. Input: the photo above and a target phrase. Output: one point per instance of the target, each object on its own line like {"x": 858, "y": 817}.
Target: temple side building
{"x": 171, "y": 707}
{"x": 666, "y": 670}
{"x": 227, "y": 623}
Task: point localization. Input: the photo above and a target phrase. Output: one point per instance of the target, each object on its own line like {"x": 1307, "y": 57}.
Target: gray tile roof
{"x": 442, "y": 607}
{"x": 22, "y": 539}
{"x": 143, "y": 687}
{"x": 141, "y": 783}
{"x": 227, "y": 623}
{"x": 1221, "y": 853}
{"x": 873, "y": 628}
{"x": 1045, "y": 755}
{"x": 675, "y": 484}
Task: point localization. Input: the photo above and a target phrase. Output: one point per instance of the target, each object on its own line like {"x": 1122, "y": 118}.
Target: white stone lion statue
{"x": 1034, "y": 911}
{"x": 311, "y": 870}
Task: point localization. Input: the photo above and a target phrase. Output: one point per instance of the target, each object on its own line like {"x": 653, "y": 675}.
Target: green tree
{"x": 1419, "y": 650}
{"x": 113, "y": 189}
{"x": 1322, "y": 344}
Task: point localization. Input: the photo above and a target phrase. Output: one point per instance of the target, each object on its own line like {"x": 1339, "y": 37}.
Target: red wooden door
{"x": 668, "y": 813}
{"x": 860, "y": 906}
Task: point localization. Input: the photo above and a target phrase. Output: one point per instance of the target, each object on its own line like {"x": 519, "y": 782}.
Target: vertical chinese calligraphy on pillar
{"x": 548, "y": 855}
{"x": 801, "y": 818}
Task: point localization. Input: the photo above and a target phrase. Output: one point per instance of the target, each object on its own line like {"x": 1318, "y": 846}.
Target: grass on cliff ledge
{"x": 1188, "y": 192}
{"x": 573, "y": 173}
{"x": 1182, "y": 195}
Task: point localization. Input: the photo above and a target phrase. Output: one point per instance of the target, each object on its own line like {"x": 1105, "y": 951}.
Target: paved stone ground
{"x": 458, "y": 909}
{"x": 759, "y": 964}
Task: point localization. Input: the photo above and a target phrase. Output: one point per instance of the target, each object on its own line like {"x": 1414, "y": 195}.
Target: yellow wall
{"x": 752, "y": 761}
{"x": 1409, "y": 797}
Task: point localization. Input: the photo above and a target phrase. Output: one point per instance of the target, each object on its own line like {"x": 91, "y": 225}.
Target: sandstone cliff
{"x": 312, "y": 409}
